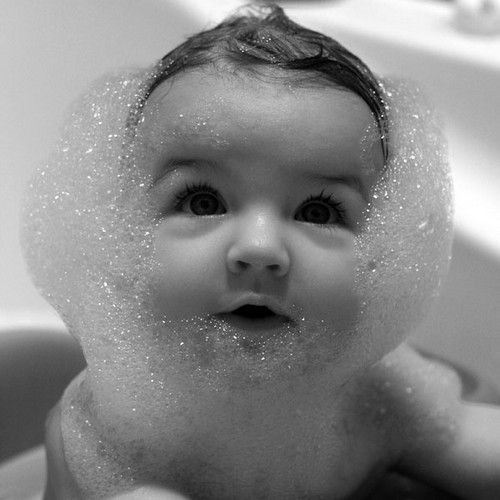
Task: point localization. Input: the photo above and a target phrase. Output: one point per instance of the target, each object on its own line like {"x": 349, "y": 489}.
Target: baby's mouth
{"x": 254, "y": 312}
{"x": 254, "y": 317}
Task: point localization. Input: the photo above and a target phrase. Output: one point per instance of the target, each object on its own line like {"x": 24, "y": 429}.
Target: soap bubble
{"x": 88, "y": 242}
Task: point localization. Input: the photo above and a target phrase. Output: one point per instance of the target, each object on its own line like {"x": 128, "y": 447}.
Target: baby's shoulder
{"x": 411, "y": 397}
{"x": 435, "y": 435}
{"x": 411, "y": 377}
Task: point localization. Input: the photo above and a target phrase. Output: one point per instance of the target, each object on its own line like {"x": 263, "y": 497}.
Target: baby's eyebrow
{"x": 352, "y": 181}
{"x": 174, "y": 163}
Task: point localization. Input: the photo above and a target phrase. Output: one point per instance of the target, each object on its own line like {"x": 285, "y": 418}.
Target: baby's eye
{"x": 321, "y": 210}
{"x": 200, "y": 199}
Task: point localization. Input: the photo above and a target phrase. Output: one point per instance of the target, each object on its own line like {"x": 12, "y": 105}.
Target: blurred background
{"x": 50, "y": 51}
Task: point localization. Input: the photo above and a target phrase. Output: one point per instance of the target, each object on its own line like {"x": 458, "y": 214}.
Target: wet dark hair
{"x": 263, "y": 37}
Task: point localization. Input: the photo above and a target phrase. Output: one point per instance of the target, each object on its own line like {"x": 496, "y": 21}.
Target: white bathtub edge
{"x": 29, "y": 319}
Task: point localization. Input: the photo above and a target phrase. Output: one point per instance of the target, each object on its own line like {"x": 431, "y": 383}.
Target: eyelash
{"x": 330, "y": 200}
{"x": 204, "y": 187}
{"x": 193, "y": 189}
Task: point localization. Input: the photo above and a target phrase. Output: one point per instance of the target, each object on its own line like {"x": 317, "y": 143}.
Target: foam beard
{"x": 88, "y": 241}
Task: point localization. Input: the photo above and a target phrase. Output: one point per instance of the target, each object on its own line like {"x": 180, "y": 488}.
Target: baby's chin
{"x": 224, "y": 351}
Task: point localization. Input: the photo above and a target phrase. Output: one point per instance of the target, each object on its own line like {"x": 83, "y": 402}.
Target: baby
{"x": 241, "y": 239}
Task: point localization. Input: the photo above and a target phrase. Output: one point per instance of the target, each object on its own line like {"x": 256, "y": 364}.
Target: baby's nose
{"x": 258, "y": 246}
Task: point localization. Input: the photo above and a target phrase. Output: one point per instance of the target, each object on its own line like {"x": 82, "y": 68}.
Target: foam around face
{"x": 405, "y": 244}
{"x": 88, "y": 238}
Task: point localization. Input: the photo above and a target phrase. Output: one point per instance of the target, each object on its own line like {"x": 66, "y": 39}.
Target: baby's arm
{"x": 470, "y": 466}
{"x": 60, "y": 483}
{"x": 440, "y": 439}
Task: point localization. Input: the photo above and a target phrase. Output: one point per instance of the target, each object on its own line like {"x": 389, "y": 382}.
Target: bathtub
{"x": 54, "y": 49}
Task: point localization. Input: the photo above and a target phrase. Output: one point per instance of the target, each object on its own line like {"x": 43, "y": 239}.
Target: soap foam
{"x": 88, "y": 241}
{"x": 405, "y": 246}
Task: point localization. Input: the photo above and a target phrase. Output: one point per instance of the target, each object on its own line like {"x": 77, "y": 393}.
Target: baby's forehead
{"x": 201, "y": 102}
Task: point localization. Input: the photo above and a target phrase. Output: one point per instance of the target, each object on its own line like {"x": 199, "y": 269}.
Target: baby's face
{"x": 259, "y": 189}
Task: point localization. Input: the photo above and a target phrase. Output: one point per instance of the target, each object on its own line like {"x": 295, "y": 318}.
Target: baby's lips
{"x": 254, "y": 299}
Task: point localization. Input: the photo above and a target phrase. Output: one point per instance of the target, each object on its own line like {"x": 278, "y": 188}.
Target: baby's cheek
{"x": 327, "y": 286}
{"x": 185, "y": 283}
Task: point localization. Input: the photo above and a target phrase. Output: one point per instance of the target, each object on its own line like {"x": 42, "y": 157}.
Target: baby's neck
{"x": 211, "y": 426}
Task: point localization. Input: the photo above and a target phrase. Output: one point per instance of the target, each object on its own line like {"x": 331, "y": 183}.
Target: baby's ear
{"x": 60, "y": 483}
